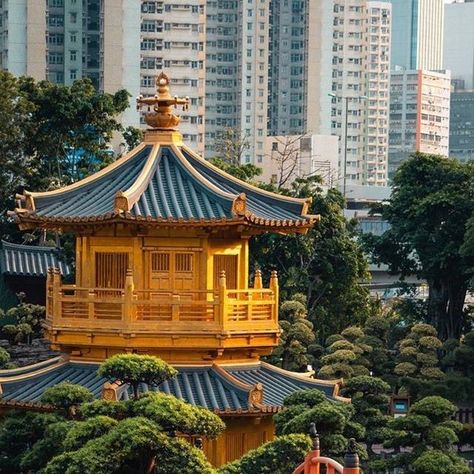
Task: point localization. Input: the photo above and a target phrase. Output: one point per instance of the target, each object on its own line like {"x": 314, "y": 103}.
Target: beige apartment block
{"x": 419, "y": 114}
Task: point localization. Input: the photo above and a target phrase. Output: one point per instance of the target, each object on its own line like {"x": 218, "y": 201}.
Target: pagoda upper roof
{"x": 163, "y": 184}
{"x": 224, "y": 389}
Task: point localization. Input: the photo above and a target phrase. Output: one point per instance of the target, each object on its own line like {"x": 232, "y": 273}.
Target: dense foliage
{"x": 22, "y": 323}
{"x": 431, "y": 204}
{"x": 135, "y": 369}
{"x": 294, "y": 351}
{"x": 429, "y": 434}
{"x": 326, "y": 264}
{"x": 52, "y": 135}
{"x": 334, "y": 421}
{"x": 135, "y": 436}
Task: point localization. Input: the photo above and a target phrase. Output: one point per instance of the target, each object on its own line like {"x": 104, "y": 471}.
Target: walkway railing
{"x": 128, "y": 308}
{"x": 314, "y": 461}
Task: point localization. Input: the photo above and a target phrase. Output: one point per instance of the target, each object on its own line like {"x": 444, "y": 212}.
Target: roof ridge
{"x": 305, "y": 377}
{"x": 13, "y": 245}
{"x": 15, "y": 375}
{"x": 125, "y": 200}
{"x": 303, "y": 201}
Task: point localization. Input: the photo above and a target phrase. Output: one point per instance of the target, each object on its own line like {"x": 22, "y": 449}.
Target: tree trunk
{"x": 446, "y": 306}
{"x": 455, "y": 318}
{"x": 437, "y": 304}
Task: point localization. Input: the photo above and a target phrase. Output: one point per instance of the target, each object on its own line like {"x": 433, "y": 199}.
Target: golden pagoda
{"x": 162, "y": 267}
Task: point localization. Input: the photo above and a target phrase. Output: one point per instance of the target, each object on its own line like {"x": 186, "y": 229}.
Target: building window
{"x": 56, "y": 20}
{"x": 73, "y": 74}
{"x": 73, "y": 55}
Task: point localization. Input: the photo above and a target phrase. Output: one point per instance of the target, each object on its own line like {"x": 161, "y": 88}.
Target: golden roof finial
{"x": 159, "y": 108}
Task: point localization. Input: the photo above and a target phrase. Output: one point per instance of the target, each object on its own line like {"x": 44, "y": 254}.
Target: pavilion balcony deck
{"x": 128, "y": 310}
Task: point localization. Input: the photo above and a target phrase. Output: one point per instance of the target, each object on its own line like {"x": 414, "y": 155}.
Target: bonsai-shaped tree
{"x": 137, "y": 436}
{"x": 418, "y": 354}
{"x": 430, "y": 434}
{"x": 26, "y": 322}
{"x": 297, "y": 335}
{"x": 370, "y": 400}
{"x": 333, "y": 419}
{"x": 280, "y": 456}
{"x": 346, "y": 355}
{"x": 65, "y": 396}
{"x": 135, "y": 369}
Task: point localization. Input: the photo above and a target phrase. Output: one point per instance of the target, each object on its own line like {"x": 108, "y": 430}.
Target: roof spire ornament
{"x": 159, "y": 108}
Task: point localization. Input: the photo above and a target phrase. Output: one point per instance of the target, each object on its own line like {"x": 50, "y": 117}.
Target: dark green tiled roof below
{"x": 204, "y": 386}
{"x": 30, "y": 260}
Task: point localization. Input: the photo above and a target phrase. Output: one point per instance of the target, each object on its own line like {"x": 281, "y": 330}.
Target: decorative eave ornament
{"x": 159, "y": 114}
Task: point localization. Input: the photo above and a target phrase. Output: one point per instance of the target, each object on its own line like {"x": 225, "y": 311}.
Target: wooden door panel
{"x": 173, "y": 270}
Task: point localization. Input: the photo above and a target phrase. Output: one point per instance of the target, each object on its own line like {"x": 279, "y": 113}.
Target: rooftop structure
{"x": 24, "y": 269}
{"x": 162, "y": 243}
{"x": 30, "y": 260}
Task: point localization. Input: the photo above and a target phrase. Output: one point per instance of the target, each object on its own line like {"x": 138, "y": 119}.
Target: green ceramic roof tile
{"x": 30, "y": 260}
{"x": 173, "y": 185}
{"x": 204, "y": 386}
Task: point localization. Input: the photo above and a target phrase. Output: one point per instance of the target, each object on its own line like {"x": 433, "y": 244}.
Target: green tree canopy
{"x": 135, "y": 369}
{"x": 297, "y": 335}
{"x": 430, "y": 206}
{"x": 52, "y": 135}
{"x": 326, "y": 264}
{"x": 65, "y": 395}
{"x": 333, "y": 420}
{"x": 370, "y": 399}
{"x": 346, "y": 355}
{"x": 427, "y": 429}
{"x": 280, "y": 456}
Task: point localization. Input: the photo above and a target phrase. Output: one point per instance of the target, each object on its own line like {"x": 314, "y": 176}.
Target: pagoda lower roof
{"x": 163, "y": 184}
{"x": 225, "y": 389}
{"x": 30, "y": 260}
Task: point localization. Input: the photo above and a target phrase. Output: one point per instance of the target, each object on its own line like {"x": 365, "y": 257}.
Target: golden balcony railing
{"x": 162, "y": 311}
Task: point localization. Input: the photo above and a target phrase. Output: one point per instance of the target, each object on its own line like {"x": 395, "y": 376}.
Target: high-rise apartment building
{"x": 417, "y": 34}
{"x": 22, "y": 37}
{"x": 419, "y": 114}
{"x": 459, "y": 42}
{"x": 65, "y": 40}
{"x": 375, "y": 164}
{"x": 360, "y": 88}
{"x": 329, "y": 74}
{"x": 237, "y": 73}
{"x": 288, "y": 71}
{"x": 173, "y": 40}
